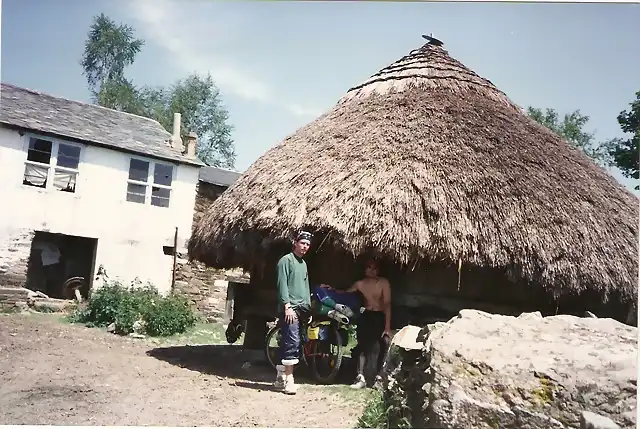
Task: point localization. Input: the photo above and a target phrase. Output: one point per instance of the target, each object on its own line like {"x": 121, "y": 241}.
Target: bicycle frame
{"x": 315, "y": 336}
{"x": 306, "y": 344}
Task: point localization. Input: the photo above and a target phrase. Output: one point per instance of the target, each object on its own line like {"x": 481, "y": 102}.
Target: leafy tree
{"x": 198, "y": 99}
{"x": 111, "y": 47}
{"x": 120, "y": 95}
{"x": 624, "y": 153}
{"x": 570, "y": 128}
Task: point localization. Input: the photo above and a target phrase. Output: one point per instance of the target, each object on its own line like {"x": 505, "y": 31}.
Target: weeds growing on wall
{"x": 137, "y": 308}
{"x": 388, "y": 407}
{"x": 374, "y": 415}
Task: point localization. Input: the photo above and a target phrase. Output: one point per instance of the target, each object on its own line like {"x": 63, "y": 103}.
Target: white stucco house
{"x": 87, "y": 186}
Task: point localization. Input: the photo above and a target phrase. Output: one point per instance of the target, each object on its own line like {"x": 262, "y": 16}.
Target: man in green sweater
{"x": 294, "y": 306}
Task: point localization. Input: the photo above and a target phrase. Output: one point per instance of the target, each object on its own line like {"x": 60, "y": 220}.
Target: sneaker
{"x": 279, "y": 383}
{"x": 290, "y": 387}
{"x": 360, "y": 382}
{"x": 379, "y": 381}
{"x": 333, "y": 314}
{"x": 344, "y": 310}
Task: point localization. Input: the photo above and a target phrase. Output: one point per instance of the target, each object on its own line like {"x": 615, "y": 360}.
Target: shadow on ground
{"x": 231, "y": 361}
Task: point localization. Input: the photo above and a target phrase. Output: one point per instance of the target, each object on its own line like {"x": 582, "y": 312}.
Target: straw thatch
{"x": 426, "y": 160}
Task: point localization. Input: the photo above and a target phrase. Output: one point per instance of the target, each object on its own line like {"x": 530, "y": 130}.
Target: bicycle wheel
{"x": 326, "y": 358}
{"x": 272, "y": 346}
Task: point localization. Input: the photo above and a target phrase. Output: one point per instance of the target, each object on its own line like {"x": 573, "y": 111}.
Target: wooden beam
{"x": 175, "y": 260}
{"x": 235, "y": 279}
{"x": 255, "y": 333}
{"x": 228, "y": 305}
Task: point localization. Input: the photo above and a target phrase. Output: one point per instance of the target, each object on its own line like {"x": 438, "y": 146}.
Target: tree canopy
{"x": 571, "y": 128}
{"x": 624, "y": 152}
{"x": 111, "y": 47}
{"x": 108, "y": 50}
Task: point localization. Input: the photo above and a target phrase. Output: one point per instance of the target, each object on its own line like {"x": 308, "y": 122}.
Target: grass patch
{"x": 355, "y": 396}
{"x": 201, "y": 333}
{"x": 375, "y": 412}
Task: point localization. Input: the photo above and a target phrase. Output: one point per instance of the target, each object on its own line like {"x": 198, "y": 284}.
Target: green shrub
{"x": 374, "y": 415}
{"x": 124, "y": 306}
{"x": 128, "y": 311}
{"x": 102, "y": 308}
{"x": 78, "y": 315}
{"x": 384, "y": 411}
{"x": 170, "y": 315}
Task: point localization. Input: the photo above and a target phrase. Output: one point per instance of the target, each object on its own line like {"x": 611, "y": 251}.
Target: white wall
{"x": 130, "y": 235}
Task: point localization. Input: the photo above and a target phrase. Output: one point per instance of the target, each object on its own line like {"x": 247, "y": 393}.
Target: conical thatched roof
{"x": 428, "y": 160}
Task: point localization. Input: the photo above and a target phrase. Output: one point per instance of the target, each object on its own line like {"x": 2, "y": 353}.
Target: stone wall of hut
{"x": 205, "y": 287}
{"x": 206, "y": 193}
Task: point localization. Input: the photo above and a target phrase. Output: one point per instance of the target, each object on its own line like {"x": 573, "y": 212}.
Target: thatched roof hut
{"x": 426, "y": 161}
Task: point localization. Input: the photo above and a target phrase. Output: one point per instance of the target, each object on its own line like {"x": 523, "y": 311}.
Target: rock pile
{"x": 487, "y": 371}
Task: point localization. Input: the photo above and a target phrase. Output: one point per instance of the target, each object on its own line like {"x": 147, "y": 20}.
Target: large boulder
{"x": 490, "y": 371}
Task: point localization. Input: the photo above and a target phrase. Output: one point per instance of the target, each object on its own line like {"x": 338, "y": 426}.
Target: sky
{"x": 280, "y": 64}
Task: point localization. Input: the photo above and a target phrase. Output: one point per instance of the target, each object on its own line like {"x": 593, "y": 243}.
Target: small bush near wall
{"x": 388, "y": 407}
{"x": 138, "y": 309}
{"x": 171, "y": 315}
{"x": 374, "y": 415}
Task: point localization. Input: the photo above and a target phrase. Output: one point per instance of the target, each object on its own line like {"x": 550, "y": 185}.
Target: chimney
{"x": 176, "y": 141}
{"x": 192, "y": 139}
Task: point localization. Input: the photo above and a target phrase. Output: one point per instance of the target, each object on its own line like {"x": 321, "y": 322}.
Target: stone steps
{"x": 9, "y": 296}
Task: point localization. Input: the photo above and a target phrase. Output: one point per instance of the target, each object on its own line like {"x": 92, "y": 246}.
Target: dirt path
{"x": 54, "y": 373}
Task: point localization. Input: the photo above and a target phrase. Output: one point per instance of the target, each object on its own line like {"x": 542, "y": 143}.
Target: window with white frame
{"x": 51, "y": 164}
{"x": 149, "y": 182}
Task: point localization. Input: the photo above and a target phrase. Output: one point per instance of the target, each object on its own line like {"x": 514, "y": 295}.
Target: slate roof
{"x": 89, "y": 123}
{"x": 218, "y": 176}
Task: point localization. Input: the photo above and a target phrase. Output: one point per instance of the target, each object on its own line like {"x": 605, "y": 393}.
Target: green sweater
{"x": 293, "y": 282}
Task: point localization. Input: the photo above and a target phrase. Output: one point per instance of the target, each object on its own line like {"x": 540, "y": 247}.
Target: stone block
{"x": 220, "y": 283}
{"x": 589, "y": 420}
{"x": 485, "y": 371}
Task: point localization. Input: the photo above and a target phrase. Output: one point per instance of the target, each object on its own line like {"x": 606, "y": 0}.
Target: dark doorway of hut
{"x": 59, "y": 264}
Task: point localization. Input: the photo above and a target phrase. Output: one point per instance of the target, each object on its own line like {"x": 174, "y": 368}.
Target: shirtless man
{"x": 374, "y": 324}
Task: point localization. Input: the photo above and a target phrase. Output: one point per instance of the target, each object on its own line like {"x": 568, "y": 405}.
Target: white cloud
{"x": 299, "y": 110}
{"x": 156, "y": 20}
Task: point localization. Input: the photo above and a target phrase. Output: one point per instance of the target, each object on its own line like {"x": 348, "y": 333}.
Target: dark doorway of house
{"x": 57, "y": 258}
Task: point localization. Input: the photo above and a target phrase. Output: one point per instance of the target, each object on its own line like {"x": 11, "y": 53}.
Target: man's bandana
{"x": 304, "y": 235}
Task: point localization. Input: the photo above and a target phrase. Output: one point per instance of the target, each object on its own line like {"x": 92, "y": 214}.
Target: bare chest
{"x": 372, "y": 293}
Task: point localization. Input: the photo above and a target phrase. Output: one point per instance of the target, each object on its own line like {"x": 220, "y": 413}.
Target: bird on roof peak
{"x": 432, "y": 40}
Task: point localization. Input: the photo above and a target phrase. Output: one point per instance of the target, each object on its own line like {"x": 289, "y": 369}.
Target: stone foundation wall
{"x": 15, "y": 248}
{"x": 206, "y": 193}
{"x": 205, "y": 287}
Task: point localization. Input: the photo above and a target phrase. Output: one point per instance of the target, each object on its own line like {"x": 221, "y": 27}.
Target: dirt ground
{"x": 55, "y": 373}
